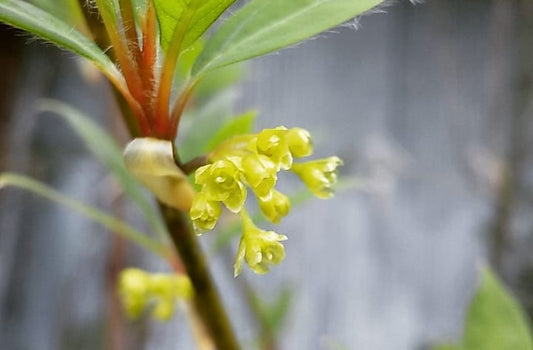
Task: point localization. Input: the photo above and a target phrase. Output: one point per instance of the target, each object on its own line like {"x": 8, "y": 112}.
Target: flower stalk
{"x": 206, "y": 298}
{"x": 208, "y": 307}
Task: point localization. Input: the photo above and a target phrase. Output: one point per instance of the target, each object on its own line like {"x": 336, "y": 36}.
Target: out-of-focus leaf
{"x": 276, "y": 312}
{"x": 263, "y": 26}
{"x": 445, "y": 347}
{"x": 495, "y": 320}
{"x": 30, "y": 18}
{"x": 242, "y": 124}
{"x": 108, "y": 152}
{"x": 109, "y": 222}
{"x": 170, "y": 12}
{"x": 218, "y": 80}
{"x": 200, "y": 125}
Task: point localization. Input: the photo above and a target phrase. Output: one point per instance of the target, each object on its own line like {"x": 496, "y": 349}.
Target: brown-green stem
{"x": 206, "y": 300}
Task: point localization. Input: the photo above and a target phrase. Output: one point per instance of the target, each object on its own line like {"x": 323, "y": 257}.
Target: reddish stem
{"x": 169, "y": 66}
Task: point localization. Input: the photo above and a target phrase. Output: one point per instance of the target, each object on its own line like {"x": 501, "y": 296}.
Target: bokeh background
{"x": 430, "y": 106}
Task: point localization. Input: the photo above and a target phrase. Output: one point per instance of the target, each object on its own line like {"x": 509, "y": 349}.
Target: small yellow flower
{"x": 167, "y": 289}
{"x": 319, "y": 175}
{"x": 260, "y": 172}
{"x": 272, "y": 143}
{"x": 258, "y": 248}
{"x": 139, "y": 289}
{"x": 182, "y": 287}
{"x": 276, "y": 207}
{"x": 134, "y": 288}
{"x": 164, "y": 308}
{"x": 299, "y": 141}
{"x": 221, "y": 182}
{"x": 161, "y": 285}
{"x": 204, "y": 213}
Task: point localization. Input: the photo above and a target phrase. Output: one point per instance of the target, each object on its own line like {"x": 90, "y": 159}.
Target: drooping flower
{"x": 319, "y": 175}
{"x": 258, "y": 248}
{"x": 221, "y": 182}
{"x": 275, "y": 207}
{"x": 204, "y": 213}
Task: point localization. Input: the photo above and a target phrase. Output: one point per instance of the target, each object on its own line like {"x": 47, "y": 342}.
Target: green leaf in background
{"x": 495, "y": 320}
{"x": 200, "y": 125}
{"x": 30, "y": 18}
{"x": 263, "y": 26}
{"x": 169, "y": 14}
{"x": 219, "y": 79}
{"x": 242, "y": 124}
{"x": 275, "y": 313}
{"x": 445, "y": 347}
{"x": 106, "y": 150}
{"x": 109, "y": 222}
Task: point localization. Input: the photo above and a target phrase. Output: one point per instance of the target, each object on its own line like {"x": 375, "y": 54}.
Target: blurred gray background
{"x": 430, "y": 107}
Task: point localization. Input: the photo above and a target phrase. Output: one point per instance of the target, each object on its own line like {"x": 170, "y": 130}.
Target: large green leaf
{"x": 263, "y": 26}
{"x": 30, "y": 18}
{"x": 169, "y": 14}
{"x": 495, "y": 321}
{"x": 106, "y": 150}
{"x": 109, "y": 222}
{"x": 67, "y": 10}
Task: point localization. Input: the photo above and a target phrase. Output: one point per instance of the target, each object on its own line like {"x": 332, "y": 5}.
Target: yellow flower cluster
{"x": 139, "y": 290}
{"x": 254, "y": 161}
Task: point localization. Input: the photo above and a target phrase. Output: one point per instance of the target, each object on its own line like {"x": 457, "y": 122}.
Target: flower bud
{"x": 204, "y": 213}
{"x": 260, "y": 172}
{"x": 272, "y": 143}
{"x": 299, "y": 141}
{"x": 276, "y": 207}
{"x": 319, "y": 175}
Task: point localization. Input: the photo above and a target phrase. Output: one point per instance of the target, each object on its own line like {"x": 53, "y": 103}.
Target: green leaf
{"x": 169, "y": 14}
{"x": 242, "y": 124}
{"x": 263, "y": 26}
{"x": 30, "y": 18}
{"x": 108, "y": 152}
{"x": 495, "y": 320}
{"x": 67, "y": 10}
{"x": 109, "y": 222}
